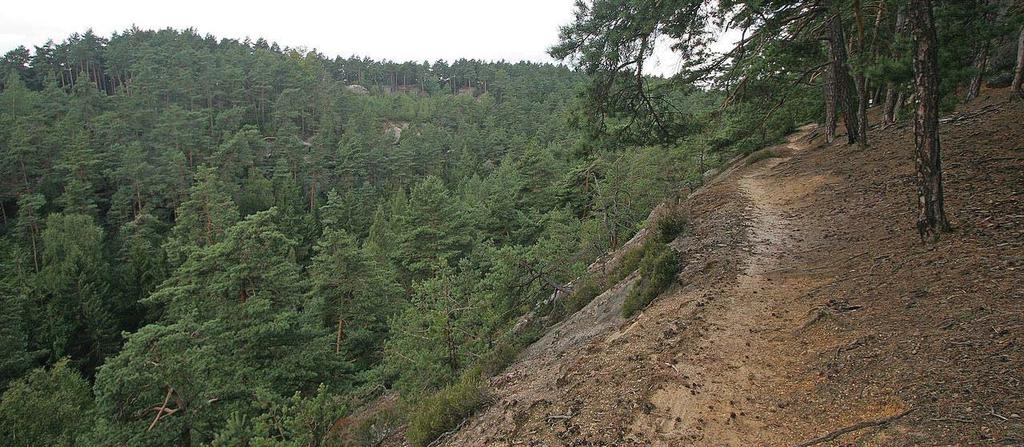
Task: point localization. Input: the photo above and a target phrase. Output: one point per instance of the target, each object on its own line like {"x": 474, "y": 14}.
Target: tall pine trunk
{"x": 845, "y": 95}
{"x": 340, "y": 335}
{"x": 860, "y": 79}
{"x": 1018, "y": 73}
{"x": 932, "y": 217}
{"x": 831, "y": 114}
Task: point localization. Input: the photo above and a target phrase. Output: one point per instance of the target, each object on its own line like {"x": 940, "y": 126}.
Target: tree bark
{"x": 979, "y": 64}
{"x": 846, "y": 100}
{"x": 890, "y": 103}
{"x": 1018, "y": 73}
{"x": 831, "y": 114}
{"x": 35, "y": 250}
{"x": 860, "y": 79}
{"x": 931, "y": 217}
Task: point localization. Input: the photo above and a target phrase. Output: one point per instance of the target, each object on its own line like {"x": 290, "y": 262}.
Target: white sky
{"x": 398, "y": 30}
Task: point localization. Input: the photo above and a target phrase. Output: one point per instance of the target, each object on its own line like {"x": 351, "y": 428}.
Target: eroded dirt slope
{"x": 807, "y": 305}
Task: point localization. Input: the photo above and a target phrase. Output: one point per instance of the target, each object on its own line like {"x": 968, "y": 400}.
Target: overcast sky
{"x": 398, "y": 30}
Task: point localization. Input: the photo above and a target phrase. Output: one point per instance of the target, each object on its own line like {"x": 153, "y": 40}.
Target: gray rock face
{"x": 358, "y": 89}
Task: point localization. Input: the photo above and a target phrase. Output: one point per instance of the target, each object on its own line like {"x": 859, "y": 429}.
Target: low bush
{"x": 443, "y": 410}
{"x": 670, "y": 225}
{"x": 372, "y": 430}
{"x": 505, "y": 351}
{"x": 658, "y": 269}
{"x": 628, "y": 263}
{"x": 585, "y": 289}
{"x": 436, "y": 414}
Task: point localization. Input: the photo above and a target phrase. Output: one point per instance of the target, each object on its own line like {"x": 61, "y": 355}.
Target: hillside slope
{"x": 807, "y": 310}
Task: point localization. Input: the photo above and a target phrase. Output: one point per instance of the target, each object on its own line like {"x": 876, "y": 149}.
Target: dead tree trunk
{"x": 1018, "y": 73}
{"x": 890, "y": 103}
{"x": 932, "y": 217}
{"x": 845, "y": 96}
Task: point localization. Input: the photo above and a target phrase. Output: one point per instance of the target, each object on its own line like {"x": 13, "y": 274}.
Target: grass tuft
{"x": 658, "y": 269}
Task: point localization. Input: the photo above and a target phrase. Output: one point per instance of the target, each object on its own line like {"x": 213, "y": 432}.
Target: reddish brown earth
{"x": 808, "y": 305}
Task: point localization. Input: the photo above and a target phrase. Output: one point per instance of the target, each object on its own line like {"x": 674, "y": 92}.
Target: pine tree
{"x": 354, "y": 293}
{"x": 15, "y": 357}
{"x": 235, "y": 321}
{"x": 30, "y": 225}
{"x": 142, "y": 259}
{"x": 201, "y": 220}
{"x": 433, "y": 229}
{"x": 52, "y": 407}
{"x": 75, "y": 292}
{"x": 932, "y": 215}
{"x": 256, "y": 192}
{"x": 433, "y": 339}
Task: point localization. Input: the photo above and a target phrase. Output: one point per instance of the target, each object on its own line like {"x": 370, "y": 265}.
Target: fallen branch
{"x": 161, "y": 409}
{"x": 858, "y": 426}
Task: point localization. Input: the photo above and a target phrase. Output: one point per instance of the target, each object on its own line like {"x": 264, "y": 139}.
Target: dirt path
{"x": 725, "y": 393}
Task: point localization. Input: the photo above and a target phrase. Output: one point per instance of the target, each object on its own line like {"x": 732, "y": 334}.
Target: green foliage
{"x": 144, "y": 264}
{"x": 253, "y": 260}
{"x": 590, "y": 285}
{"x": 294, "y": 421}
{"x": 442, "y": 411}
{"x": 434, "y": 337}
{"x": 201, "y": 220}
{"x": 658, "y": 268}
{"x": 49, "y": 406}
{"x": 233, "y": 326}
{"x": 209, "y": 375}
{"x": 669, "y": 225}
{"x": 80, "y": 318}
{"x": 353, "y": 293}
{"x": 433, "y": 229}
{"x": 611, "y": 40}
{"x": 230, "y": 236}
{"x": 15, "y": 357}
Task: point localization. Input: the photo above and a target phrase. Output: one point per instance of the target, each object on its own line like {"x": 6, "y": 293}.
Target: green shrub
{"x": 442, "y": 411}
{"x": 589, "y": 286}
{"x": 658, "y": 269}
{"x": 629, "y": 262}
{"x": 505, "y": 351}
{"x": 586, "y": 288}
{"x": 670, "y": 225}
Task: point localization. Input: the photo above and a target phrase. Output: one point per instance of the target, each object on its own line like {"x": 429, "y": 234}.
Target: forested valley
{"x": 255, "y": 238}
{"x": 224, "y": 242}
